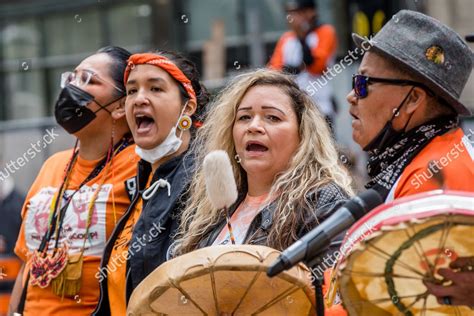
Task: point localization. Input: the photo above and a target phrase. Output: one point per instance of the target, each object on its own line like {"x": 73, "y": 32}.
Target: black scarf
{"x": 386, "y": 166}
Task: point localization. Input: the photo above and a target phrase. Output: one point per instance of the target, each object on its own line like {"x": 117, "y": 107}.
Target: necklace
{"x": 45, "y": 266}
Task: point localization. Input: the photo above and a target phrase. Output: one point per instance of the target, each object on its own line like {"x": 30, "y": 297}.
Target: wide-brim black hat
{"x": 292, "y": 5}
{"x": 428, "y": 48}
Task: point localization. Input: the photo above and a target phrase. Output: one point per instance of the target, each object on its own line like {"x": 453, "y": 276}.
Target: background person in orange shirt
{"x": 405, "y": 105}
{"x": 307, "y": 50}
{"x": 78, "y": 195}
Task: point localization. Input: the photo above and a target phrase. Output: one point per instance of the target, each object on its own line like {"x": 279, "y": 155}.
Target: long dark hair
{"x": 191, "y": 72}
{"x": 119, "y": 58}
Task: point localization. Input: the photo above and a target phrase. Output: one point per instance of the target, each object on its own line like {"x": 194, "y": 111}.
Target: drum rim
{"x": 262, "y": 253}
{"x": 434, "y": 197}
{"x": 346, "y": 279}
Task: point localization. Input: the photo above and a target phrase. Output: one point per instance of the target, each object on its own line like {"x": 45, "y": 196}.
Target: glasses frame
{"x": 395, "y": 82}
{"x": 90, "y": 74}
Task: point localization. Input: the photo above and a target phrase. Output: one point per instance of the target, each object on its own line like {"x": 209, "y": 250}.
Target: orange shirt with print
{"x": 35, "y": 219}
{"x": 451, "y": 156}
{"x": 241, "y": 219}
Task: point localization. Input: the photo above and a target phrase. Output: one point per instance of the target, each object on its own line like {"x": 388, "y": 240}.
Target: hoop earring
{"x": 185, "y": 122}
{"x": 237, "y": 158}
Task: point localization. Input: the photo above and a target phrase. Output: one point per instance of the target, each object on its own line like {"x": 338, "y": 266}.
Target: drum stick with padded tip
{"x": 220, "y": 183}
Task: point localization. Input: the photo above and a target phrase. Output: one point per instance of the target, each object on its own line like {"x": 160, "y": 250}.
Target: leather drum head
{"x": 223, "y": 280}
{"x": 390, "y": 252}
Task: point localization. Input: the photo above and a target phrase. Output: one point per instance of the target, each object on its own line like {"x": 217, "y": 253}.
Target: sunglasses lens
{"x": 359, "y": 84}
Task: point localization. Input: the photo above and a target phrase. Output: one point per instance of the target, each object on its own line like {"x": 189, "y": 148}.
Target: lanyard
{"x": 124, "y": 143}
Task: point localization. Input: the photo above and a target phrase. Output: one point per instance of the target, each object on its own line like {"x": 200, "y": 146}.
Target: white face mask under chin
{"x": 168, "y": 147}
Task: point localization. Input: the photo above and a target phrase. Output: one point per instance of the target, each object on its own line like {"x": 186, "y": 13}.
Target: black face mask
{"x": 71, "y": 109}
{"x": 388, "y": 135}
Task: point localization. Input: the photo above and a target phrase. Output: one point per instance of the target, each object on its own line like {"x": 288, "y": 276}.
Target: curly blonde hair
{"x": 314, "y": 164}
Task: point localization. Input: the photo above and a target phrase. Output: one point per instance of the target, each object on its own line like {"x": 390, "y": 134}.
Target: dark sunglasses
{"x": 360, "y": 84}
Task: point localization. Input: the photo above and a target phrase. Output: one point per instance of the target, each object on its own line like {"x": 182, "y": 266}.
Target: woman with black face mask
{"x": 79, "y": 194}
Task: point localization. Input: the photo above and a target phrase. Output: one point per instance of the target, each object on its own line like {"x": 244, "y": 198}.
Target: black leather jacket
{"x": 146, "y": 250}
{"x": 327, "y": 199}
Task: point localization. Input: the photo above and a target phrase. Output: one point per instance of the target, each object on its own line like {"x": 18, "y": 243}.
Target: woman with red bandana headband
{"x": 79, "y": 195}
{"x": 164, "y": 97}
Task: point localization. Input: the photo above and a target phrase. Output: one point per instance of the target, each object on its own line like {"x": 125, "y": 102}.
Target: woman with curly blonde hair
{"x": 286, "y": 167}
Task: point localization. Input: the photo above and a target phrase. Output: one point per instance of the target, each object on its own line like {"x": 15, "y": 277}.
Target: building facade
{"x": 40, "y": 39}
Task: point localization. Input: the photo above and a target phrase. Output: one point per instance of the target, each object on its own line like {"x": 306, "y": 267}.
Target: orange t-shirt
{"x": 35, "y": 220}
{"x": 323, "y": 45}
{"x": 451, "y": 156}
{"x": 241, "y": 220}
{"x": 117, "y": 265}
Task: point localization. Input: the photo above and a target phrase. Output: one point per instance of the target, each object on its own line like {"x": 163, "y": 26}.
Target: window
{"x": 21, "y": 40}
{"x": 130, "y": 25}
{"x": 25, "y": 97}
{"x": 72, "y": 33}
{"x": 199, "y": 15}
